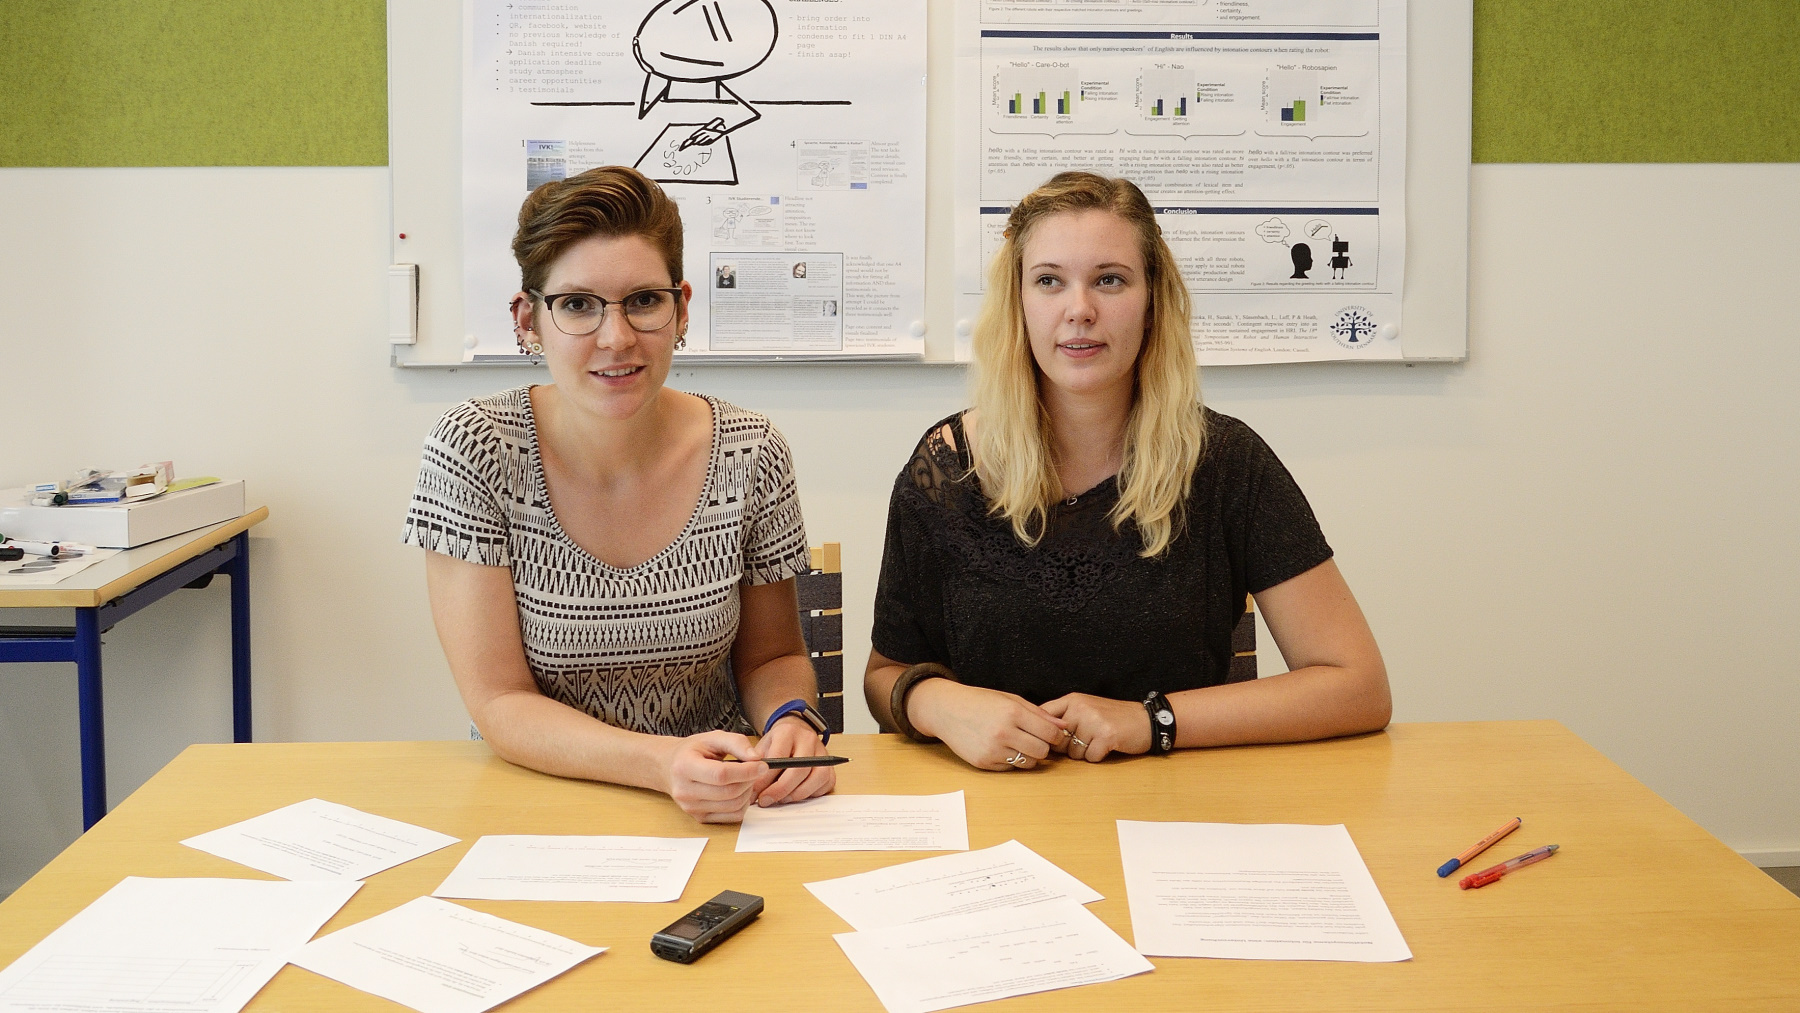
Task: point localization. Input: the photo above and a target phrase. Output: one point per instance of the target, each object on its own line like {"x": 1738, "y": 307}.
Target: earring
{"x": 519, "y": 332}
{"x": 681, "y": 339}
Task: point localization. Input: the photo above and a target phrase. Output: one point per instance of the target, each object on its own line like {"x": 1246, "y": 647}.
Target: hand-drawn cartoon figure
{"x": 1302, "y": 255}
{"x": 1340, "y": 257}
{"x": 726, "y": 229}
{"x": 728, "y": 219}
{"x": 821, "y": 170}
{"x": 689, "y": 49}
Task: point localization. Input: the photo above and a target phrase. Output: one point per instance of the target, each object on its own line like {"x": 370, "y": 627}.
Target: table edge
{"x": 53, "y": 597}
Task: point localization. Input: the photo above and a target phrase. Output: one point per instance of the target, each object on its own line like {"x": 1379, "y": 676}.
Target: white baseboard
{"x": 1772, "y": 859}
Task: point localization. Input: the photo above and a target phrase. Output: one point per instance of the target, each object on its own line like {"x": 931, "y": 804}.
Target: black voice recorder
{"x": 706, "y": 926}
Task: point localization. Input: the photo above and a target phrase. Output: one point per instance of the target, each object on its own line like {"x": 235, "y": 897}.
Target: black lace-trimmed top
{"x": 1083, "y": 612}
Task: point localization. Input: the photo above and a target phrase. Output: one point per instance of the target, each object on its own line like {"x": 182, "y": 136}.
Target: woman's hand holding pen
{"x": 707, "y": 787}
{"x": 990, "y": 729}
{"x": 1099, "y": 726}
{"x": 793, "y": 737}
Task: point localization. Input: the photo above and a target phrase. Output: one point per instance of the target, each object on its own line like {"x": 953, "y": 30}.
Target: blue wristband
{"x": 805, "y": 712}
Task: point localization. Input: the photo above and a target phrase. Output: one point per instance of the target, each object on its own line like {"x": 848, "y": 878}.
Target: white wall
{"x": 1593, "y": 519}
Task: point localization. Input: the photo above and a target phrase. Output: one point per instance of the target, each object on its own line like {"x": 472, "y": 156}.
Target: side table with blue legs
{"x": 114, "y": 589}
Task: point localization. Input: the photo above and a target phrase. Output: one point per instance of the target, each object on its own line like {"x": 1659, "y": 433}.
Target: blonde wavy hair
{"x": 1165, "y": 432}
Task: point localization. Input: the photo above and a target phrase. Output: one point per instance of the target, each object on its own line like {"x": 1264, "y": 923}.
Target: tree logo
{"x": 1354, "y": 327}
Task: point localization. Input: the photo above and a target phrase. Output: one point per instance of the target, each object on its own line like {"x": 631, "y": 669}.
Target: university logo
{"x": 1354, "y": 327}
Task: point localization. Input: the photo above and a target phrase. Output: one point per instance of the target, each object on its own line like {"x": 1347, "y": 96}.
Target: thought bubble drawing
{"x": 1317, "y": 229}
{"x": 1273, "y": 231}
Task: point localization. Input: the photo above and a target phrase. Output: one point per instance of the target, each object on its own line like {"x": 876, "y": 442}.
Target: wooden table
{"x": 104, "y": 595}
{"x": 1641, "y": 910}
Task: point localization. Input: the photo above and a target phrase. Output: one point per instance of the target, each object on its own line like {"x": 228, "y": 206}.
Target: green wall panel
{"x": 304, "y": 82}
{"x": 1637, "y": 80}
{"x": 193, "y": 82}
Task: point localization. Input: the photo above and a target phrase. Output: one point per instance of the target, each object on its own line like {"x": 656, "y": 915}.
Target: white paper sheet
{"x": 791, "y": 134}
{"x": 170, "y": 946}
{"x": 1008, "y": 875}
{"x": 536, "y": 867}
{"x": 1255, "y": 892}
{"x": 44, "y": 571}
{"x": 972, "y": 958}
{"x": 439, "y": 957}
{"x": 859, "y": 823}
{"x": 1268, "y": 135}
{"x": 316, "y": 839}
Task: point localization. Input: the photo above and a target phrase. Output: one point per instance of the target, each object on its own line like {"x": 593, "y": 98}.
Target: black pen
{"x": 784, "y": 762}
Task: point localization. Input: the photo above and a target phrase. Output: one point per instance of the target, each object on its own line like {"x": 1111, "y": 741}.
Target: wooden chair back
{"x": 821, "y": 594}
{"x": 1243, "y": 645}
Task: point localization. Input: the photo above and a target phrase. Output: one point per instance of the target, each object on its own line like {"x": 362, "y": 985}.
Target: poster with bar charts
{"x": 791, "y": 134}
{"x": 1269, "y": 135}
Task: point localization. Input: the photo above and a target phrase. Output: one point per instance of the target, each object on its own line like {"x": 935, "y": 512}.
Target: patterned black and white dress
{"x": 646, "y": 648}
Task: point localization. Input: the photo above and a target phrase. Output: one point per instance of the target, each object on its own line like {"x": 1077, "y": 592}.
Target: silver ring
{"x": 1077, "y": 742}
{"x": 1016, "y": 760}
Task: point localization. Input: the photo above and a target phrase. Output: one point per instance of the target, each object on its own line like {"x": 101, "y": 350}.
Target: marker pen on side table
{"x": 49, "y": 548}
{"x": 1486, "y": 876}
{"x": 1482, "y": 845}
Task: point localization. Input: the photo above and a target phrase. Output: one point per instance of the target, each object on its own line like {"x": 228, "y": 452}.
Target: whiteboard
{"x": 425, "y": 153}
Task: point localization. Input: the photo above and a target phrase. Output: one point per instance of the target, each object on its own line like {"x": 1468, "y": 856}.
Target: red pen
{"x": 1486, "y": 876}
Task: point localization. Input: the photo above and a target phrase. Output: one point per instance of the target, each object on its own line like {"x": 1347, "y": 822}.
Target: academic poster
{"x": 791, "y": 133}
{"x": 1270, "y": 136}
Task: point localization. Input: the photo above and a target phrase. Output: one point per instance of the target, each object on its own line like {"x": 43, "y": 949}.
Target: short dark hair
{"x": 611, "y": 200}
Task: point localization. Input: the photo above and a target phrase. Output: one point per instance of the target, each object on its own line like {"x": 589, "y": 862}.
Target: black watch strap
{"x": 1162, "y": 723}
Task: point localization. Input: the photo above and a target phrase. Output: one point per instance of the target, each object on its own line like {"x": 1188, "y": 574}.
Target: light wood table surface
{"x": 131, "y": 568}
{"x": 1641, "y": 910}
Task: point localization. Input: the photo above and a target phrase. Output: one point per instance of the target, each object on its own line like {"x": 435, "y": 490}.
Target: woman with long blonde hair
{"x": 1067, "y": 559}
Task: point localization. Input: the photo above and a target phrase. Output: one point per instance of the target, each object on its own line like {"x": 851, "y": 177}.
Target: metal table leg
{"x": 93, "y": 716}
{"x": 239, "y": 572}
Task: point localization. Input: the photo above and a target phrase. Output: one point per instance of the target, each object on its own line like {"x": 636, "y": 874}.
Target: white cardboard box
{"x": 121, "y": 525}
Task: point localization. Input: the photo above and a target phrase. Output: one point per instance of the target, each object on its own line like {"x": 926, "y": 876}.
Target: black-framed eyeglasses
{"x": 578, "y": 313}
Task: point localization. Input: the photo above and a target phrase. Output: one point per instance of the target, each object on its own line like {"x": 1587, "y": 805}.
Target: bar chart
{"x": 1292, "y": 96}
{"x": 1032, "y": 91}
{"x": 1040, "y": 103}
{"x": 1165, "y": 92}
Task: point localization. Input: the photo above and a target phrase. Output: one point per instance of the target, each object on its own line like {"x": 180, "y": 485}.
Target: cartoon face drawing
{"x": 705, "y": 40}
{"x": 689, "y": 49}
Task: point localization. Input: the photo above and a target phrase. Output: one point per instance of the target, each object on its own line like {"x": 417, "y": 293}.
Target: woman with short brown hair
{"x": 611, "y": 562}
